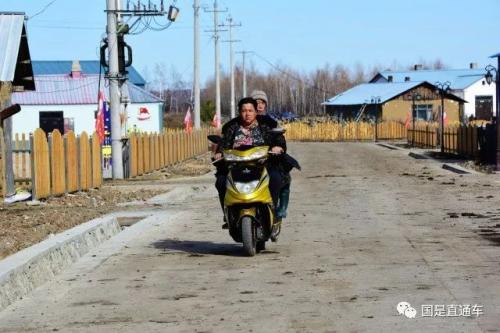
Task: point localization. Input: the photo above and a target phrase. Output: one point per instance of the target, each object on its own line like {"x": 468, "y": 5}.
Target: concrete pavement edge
{"x": 27, "y": 269}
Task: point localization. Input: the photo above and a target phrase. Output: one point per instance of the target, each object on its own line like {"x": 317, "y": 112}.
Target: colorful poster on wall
{"x": 103, "y": 129}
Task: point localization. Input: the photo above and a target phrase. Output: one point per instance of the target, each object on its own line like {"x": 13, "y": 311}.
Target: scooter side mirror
{"x": 278, "y": 130}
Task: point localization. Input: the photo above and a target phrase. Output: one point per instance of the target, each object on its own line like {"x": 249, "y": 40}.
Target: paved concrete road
{"x": 368, "y": 228}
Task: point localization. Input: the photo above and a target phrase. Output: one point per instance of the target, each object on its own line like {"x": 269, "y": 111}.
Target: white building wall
{"x": 478, "y": 89}
{"x": 153, "y": 124}
{"x": 27, "y": 120}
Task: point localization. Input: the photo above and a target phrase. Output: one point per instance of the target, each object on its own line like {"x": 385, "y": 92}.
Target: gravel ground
{"x": 368, "y": 227}
{"x": 22, "y": 226}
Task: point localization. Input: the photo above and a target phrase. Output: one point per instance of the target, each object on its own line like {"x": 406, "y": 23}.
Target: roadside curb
{"x": 449, "y": 165}
{"x": 27, "y": 269}
{"x": 387, "y": 145}
{"x": 22, "y": 272}
{"x": 456, "y": 169}
{"x": 418, "y": 156}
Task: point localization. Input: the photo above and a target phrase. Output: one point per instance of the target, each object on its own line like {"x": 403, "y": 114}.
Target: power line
{"x": 216, "y": 31}
{"x": 65, "y": 27}
{"x": 67, "y": 89}
{"x": 231, "y": 41}
{"x": 296, "y": 78}
{"x": 43, "y": 9}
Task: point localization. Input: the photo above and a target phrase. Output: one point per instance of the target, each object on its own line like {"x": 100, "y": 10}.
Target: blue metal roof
{"x": 364, "y": 93}
{"x": 458, "y": 78}
{"x": 49, "y": 67}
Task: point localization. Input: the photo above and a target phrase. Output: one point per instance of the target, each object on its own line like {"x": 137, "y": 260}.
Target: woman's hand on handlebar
{"x": 218, "y": 156}
{"x": 276, "y": 150}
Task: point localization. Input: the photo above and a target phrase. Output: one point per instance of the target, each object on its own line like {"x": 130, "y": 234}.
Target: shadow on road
{"x": 200, "y": 247}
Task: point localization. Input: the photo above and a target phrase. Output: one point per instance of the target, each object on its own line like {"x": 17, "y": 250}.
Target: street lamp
{"x": 415, "y": 96}
{"x": 490, "y": 79}
{"x": 443, "y": 88}
{"x": 376, "y": 100}
{"x": 489, "y": 76}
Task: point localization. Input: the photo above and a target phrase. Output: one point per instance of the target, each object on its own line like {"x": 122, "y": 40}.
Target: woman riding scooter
{"x": 250, "y": 130}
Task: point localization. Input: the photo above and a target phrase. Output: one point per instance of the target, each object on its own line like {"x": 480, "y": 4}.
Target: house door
{"x": 51, "y": 120}
{"x": 484, "y": 107}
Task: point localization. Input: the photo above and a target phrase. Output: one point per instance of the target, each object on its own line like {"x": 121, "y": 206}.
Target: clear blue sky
{"x": 300, "y": 34}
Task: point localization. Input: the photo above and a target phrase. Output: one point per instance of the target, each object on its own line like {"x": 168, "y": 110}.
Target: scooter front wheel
{"x": 248, "y": 236}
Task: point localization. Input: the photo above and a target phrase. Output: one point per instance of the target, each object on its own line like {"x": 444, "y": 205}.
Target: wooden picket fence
{"x": 58, "y": 164}
{"x": 458, "y": 139}
{"x": 350, "y": 131}
{"x": 461, "y": 140}
{"x": 150, "y": 152}
{"x": 423, "y": 135}
{"x": 21, "y": 160}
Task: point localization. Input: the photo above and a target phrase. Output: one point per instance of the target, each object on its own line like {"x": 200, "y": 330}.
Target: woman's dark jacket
{"x": 266, "y": 124}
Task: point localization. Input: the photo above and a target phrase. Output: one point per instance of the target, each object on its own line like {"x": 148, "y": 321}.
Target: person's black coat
{"x": 266, "y": 125}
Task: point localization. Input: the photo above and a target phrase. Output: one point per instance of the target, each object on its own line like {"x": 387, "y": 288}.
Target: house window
{"x": 69, "y": 124}
{"x": 484, "y": 107}
{"x": 51, "y": 120}
{"x": 423, "y": 112}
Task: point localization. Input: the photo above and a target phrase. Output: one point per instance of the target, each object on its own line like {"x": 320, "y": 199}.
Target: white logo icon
{"x": 404, "y": 308}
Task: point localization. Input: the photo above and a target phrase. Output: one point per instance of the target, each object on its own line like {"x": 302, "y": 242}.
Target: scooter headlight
{"x": 246, "y": 188}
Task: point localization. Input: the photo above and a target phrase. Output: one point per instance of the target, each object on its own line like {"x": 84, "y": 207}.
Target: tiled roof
{"x": 65, "y": 90}
{"x": 50, "y": 67}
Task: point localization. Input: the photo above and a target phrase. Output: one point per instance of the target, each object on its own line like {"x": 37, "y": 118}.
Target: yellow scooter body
{"x": 254, "y": 194}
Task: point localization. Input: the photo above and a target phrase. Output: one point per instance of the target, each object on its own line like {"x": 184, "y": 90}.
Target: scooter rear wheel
{"x": 248, "y": 236}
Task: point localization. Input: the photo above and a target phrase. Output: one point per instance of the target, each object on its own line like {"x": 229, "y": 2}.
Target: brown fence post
{"x": 178, "y": 146}
{"x": 151, "y": 152}
{"x": 85, "y": 162}
{"x": 162, "y": 150}
{"x": 147, "y": 151}
{"x": 71, "y": 156}
{"x": 140, "y": 154}
{"x": 156, "y": 151}
{"x": 133, "y": 155}
{"x": 96, "y": 161}
{"x": 41, "y": 165}
{"x": 57, "y": 163}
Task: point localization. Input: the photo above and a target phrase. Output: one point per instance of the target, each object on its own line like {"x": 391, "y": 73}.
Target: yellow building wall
{"x": 399, "y": 108}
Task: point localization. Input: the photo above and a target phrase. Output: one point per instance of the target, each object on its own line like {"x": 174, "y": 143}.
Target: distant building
{"x": 468, "y": 84}
{"x": 393, "y": 102}
{"x": 68, "y": 100}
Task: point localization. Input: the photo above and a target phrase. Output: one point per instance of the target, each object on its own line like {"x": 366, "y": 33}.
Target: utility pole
{"x": 196, "y": 67}
{"x": 216, "y": 31}
{"x": 244, "y": 53}
{"x": 231, "y": 41}
{"x": 123, "y": 83}
{"x": 116, "y": 73}
{"x": 114, "y": 91}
